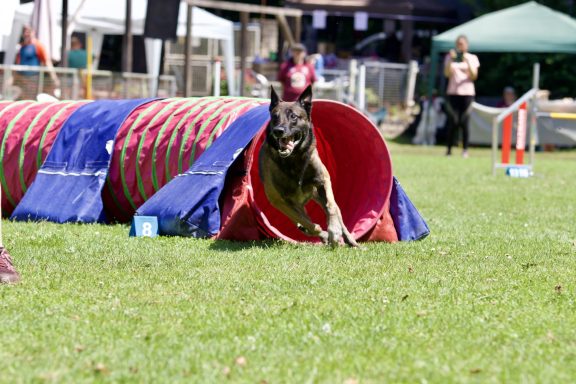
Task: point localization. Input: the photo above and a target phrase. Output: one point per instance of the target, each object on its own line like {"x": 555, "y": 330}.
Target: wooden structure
{"x": 281, "y": 15}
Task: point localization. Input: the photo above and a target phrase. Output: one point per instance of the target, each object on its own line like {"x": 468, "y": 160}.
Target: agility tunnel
{"x": 192, "y": 163}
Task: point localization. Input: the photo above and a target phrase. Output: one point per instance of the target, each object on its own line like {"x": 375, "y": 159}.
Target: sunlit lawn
{"x": 488, "y": 297}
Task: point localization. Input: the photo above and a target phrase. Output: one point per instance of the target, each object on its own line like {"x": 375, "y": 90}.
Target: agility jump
{"x": 523, "y": 112}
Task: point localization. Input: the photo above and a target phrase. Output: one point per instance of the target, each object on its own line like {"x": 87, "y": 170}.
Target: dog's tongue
{"x": 287, "y": 143}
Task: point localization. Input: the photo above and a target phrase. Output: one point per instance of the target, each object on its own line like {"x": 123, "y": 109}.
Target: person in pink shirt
{"x": 461, "y": 69}
{"x": 296, "y": 74}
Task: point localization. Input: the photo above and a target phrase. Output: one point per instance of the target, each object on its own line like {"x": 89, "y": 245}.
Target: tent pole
{"x": 64, "y": 51}
{"x": 243, "y": 49}
{"x": 127, "y": 67}
{"x": 188, "y": 52}
{"x": 89, "y": 65}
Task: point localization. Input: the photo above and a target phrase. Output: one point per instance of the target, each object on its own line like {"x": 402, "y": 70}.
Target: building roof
{"x": 426, "y": 10}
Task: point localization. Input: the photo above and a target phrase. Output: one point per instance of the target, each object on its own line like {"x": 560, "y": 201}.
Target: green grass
{"x": 489, "y": 297}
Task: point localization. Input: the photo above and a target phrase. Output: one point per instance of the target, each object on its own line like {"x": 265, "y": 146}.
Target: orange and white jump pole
{"x": 524, "y": 115}
{"x": 521, "y": 133}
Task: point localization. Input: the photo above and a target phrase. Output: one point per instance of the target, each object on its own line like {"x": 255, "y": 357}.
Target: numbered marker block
{"x": 144, "y": 226}
{"x": 518, "y": 172}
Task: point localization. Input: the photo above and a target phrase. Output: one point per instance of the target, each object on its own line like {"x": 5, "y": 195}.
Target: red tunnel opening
{"x": 359, "y": 165}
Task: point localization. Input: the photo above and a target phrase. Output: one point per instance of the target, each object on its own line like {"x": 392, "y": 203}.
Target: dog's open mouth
{"x": 287, "y": 144}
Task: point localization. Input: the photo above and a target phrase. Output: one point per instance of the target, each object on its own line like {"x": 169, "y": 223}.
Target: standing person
{"x": 296, "y": 74}
{"x": 33, "y": 53}
{"x": 77, "y": 59}
{"x": 461, "y": 69}
{"x": 76, "y": 54}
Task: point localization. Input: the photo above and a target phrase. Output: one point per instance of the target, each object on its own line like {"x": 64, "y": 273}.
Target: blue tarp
{"x": 68, "y": 186}
{"x": 408, "y": 222}
{"x": 188, "y": 204}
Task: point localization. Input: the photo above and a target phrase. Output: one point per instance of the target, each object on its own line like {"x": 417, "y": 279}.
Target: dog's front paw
{"x": 334, "y": 235}
{"x": 324, "y": 237}
{"x": 348, "y": 239}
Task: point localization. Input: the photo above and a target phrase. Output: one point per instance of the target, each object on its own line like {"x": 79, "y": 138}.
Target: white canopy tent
{"x": 6, "y": 20}
{"x": 100, "y": 17}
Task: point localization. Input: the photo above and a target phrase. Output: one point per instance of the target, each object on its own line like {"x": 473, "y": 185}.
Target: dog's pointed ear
{"x": 274, "y": 99}
{"x": 305, "y": 99}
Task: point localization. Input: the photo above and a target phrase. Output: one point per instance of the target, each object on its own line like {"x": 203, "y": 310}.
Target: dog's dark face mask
{"x": 290, "y": 125}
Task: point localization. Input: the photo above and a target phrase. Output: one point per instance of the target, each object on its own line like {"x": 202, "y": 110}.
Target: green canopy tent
{"x": 529, "y": 27}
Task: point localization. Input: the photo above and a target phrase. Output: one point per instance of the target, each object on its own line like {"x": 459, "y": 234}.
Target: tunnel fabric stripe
{"x": 9, "y": 128}
{"x": 25, "y": 140}
{"x": 169, "y": 105}
{"x": 214, "y": 115}
{"x": 125, "y": 188}
{"x": 191, "y": 126}
{"x": 224, "y": 120}
{"x": 159, "y": 138}
{"x": 112, "y": 190}
{"x": 175, "y": 134}
{"x": 26, "y": 137}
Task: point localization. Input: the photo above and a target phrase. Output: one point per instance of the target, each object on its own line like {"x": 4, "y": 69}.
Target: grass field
{"x": 489, "y": 297}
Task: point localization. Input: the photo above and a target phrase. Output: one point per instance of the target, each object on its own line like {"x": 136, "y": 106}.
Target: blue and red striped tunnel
{"x": 162, "y": 138}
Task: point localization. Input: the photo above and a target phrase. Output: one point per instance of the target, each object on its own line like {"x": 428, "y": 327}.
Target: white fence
{"x": 386, "y": 84}
{"x": 370, "y": 86}
{"x": 18, "y": 82}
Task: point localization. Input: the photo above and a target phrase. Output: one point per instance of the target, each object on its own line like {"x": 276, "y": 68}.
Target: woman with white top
{"x": 461, "y": 69}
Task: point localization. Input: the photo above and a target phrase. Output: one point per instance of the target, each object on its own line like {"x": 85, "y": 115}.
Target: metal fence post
{"x": 352, "y": 87}
{"x": 381, "y": 87}
{"x": 412, "y": 73}
{"x": 5, "y": 81}
{"x": 217, "y": 74}
{"x": 75, "y": 85}
{"x": 533, "y": 109}
{"x": 362, "y": 88}
{"x": 494, "y": 144}
{"x": 40, "y": 80}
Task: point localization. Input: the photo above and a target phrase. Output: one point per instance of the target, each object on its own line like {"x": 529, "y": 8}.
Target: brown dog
{"x": 292, "y": 172}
